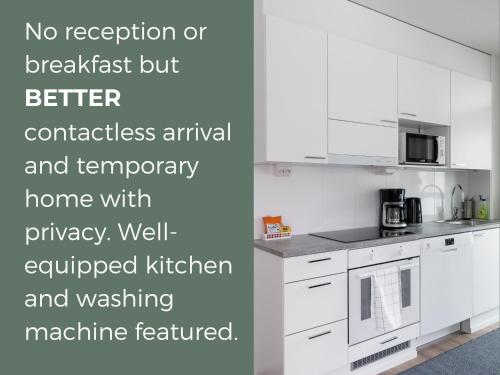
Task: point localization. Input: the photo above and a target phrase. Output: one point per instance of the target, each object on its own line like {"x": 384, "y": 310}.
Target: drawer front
{"x": 380, "y": 254}
{"x": 317, "y": 265}
{"x": 383, "y": 342}
{"x": 316, "y": 351}
{"x": 315, "y": 302}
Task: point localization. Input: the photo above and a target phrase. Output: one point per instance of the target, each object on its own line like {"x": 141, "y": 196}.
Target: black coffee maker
{"x": 392, "y": 209}
{"x": 413, "y": 211}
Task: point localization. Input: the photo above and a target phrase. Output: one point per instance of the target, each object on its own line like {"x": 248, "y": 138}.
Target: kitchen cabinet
{"x": 362, "y": 83}
{"x": 486, "y": 270}
{"x": 353, "y": 143}
{"x": 300, "y": 314}
{"x": 318, "y": 351}
{"x": 296, "y": 79}
{"x": 446, "y": 281}
{"x": 423, "y": 92}
{"x": 315, "y": 302}
{"x": 312, "y": 266}
{"x": 471, "y": 122}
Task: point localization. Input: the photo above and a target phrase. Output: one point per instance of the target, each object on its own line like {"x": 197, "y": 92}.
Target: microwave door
{"x": 421, "y": 148}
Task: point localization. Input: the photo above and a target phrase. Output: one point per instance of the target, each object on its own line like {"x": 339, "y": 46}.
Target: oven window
{"x": 366, "y": 298}
{"x": 421, "y": 148}
{"x": 406, "y": 288}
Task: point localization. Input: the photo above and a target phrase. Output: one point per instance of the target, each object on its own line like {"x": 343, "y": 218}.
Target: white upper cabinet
{"x": 423, "y": 92}
{"x": 471, "y": 122}
{"x": 296, "y": 63}
{"x": 362, "y": 83}
{"x": 354, "y": 143}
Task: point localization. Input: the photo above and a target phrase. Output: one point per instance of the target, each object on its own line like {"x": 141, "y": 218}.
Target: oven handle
{"x": 401, "y": 268}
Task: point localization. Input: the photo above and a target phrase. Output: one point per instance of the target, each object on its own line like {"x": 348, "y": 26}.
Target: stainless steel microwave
{"x": 422, "y": 149}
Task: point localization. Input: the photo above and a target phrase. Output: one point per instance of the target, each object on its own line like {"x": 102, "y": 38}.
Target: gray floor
{"x": 480, "y": 356}
{"x": 436, "y": 349}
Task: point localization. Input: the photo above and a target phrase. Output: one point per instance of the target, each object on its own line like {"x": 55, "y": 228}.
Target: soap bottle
{"x": 483, "y": 208}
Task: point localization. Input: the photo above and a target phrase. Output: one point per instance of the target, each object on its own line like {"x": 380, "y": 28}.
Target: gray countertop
{"x": 306, "y": 244}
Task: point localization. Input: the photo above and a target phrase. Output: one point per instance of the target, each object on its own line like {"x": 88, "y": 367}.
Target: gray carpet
{"x": 480, "y": 356}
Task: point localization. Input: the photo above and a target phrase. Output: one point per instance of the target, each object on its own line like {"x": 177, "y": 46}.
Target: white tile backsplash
{"x": 317, "y": 198}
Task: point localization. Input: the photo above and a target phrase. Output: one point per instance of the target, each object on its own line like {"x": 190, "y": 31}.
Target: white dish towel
{"x": 386, "y": 298}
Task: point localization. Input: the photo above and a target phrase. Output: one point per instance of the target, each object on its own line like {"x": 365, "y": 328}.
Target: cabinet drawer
{"x": 317, "y": 265}
{"x": 349, "y": 138}
{"x": 380, "y": 254}
{"x": 315, "y": 302}
{"x": 383, "y": 342}
{"x": 316, "y": 351}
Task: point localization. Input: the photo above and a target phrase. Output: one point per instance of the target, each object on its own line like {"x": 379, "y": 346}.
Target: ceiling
{"x": 474, "y": 23}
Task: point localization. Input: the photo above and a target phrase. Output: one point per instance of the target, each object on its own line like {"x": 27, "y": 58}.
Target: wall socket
{"x": 282, "y": 170}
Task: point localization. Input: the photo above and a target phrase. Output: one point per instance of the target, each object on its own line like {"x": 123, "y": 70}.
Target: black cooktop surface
{"x": 361, "y": 234}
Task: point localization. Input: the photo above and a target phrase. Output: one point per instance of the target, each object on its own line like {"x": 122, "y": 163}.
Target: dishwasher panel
{"x": 446, "y": 281}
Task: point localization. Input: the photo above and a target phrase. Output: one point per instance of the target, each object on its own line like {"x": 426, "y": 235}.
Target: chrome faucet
{"x": 455, "y": 210}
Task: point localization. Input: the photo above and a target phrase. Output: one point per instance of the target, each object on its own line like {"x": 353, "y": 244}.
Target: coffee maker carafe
{"x": 392, "y": 208}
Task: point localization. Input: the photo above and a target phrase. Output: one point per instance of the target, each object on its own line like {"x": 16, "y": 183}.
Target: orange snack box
{"x": 271, "y": 220}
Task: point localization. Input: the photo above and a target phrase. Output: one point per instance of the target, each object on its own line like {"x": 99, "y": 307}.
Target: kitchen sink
{"x": 469, "y": 222}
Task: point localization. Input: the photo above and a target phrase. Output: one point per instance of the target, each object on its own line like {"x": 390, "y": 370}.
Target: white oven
{"x": 362, "y": 320}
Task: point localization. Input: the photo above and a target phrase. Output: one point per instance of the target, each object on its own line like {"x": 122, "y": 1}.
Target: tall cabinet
{"x": 471, "y": 122}
{"x": 296, "y": 76}
{"x": 486, "y": 263}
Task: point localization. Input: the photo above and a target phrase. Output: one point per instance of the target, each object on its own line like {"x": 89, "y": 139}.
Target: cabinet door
{"x": 346, "y": 138}
{"x": 296, "y": 92}
{"x": 423, "y": 92}
{"x": 486, "y": 268}
{"x": 362, "y": 83}
{"x": 471, "y": 122}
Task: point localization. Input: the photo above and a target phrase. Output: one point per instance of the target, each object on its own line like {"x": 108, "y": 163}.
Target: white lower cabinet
{"x": 381, "y": 343}
{"x": 315, "y": 302}
{"x": 316, "y": 265}
{"x": 486, "y": 270}
{"x": 316, "y": 351}
{"x": 300, "y": 314}
{"x": 301, "y": 324}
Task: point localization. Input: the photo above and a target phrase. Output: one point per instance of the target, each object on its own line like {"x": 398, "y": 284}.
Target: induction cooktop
{"x": 361, "y": 234}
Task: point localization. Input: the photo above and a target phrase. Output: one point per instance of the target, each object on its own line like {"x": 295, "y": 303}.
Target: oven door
{"x": 421, "y": 149}
{"x": 362, "y": 325}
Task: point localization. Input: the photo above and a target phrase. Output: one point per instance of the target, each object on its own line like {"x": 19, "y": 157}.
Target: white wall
{"x": 317, "y": 198}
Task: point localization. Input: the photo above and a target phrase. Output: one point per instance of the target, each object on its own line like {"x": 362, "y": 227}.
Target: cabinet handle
{"x": 449, "y": 250}
{"x": 319, "y": 285}
{"x": 409, "y": 114}
{"x": 315, "y": 157}
{"x": 478, "y": 234}
{"x": 389, "y": 340}
{"x": 319, "y": 335}
{"x": 389, "y": 121}
{"x": 319, "y": 260}
{"x": 459, "y": 165}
